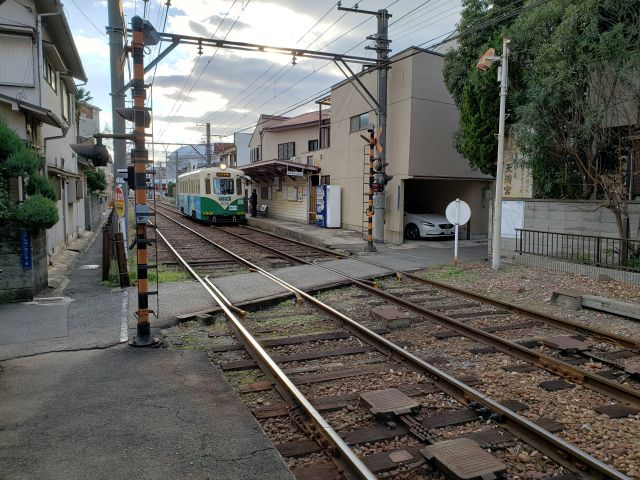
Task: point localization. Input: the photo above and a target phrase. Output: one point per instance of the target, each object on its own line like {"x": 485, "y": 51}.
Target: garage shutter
{"x": 16, "y": 57}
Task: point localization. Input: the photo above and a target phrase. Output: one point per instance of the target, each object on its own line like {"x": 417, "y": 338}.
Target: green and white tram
{"x": 213, "y": 194}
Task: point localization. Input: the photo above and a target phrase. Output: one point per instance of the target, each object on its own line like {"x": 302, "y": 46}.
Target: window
{"x": 207, "y": 186}
{"x": 309, "y": 159}
{"x": 66, "y": 105}
{"x": 50, "y": 76}
{"x": 223, "y": 186}
{"x": 16, "y": 50}
{"x": 313, "y": 145}
{"x": 239, "y": 186}
{"x": 325, "y": 180}
{"x": 255, "y": 154}
{"x": 286, "y": 150}
{"x": 325, "y": 137}
{"x": 359, "y": 122}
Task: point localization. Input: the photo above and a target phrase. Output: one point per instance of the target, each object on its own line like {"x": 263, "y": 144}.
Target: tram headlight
{"x": 222, "y": 165}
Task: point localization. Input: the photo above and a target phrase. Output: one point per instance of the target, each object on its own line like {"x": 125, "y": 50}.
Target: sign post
{"x": 118, "y": 200}
{"x": 458, "y": 213}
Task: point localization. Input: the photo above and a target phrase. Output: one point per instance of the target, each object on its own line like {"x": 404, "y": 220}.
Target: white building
{"x": 38, "y": 64}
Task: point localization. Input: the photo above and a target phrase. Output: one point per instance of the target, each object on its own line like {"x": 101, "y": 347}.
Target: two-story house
{"x": 285, "y": 157}
{"x": 38, "y": 64}
{"x": 427, "y": 171}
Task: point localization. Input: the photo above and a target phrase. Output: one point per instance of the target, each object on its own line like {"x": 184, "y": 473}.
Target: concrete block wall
{"x": 576, "y": 216}
{"x": 94, "y": 207}
{"x": 16, "y": 283}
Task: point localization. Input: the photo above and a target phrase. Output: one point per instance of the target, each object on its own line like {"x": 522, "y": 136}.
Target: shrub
{"x": 36, "y": 213}
{"x": 41, "y": 185}
{"x": 21, "y": 162}
{"x": 96, "y": 181}
{"x": 9, "y": 142}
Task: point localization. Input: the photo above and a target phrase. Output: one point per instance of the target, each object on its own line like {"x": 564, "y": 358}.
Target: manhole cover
{"x": 463, "y": 459}
{"x": 553, "y": 385}
{"x": 565, "y": 343}
{"x": 389, "y": 402}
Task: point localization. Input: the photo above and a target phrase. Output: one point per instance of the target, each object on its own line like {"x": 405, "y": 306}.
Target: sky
{"x": 231, "y": 88}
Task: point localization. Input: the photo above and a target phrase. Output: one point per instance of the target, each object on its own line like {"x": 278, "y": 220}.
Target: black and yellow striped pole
{"x": 372, "y": 142}
{"x": 140, "y": 160}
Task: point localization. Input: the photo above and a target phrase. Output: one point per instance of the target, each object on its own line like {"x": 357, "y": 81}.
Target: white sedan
{"x": 417, "y": 225}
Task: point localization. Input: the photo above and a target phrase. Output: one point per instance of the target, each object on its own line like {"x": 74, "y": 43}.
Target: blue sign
{"x": 25, "y": 244}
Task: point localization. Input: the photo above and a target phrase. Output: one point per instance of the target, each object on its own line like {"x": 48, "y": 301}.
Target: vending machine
{"x": 328, "y": 206}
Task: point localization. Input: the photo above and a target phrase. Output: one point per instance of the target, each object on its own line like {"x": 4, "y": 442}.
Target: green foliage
{"x": 83, "y": 95}
{"x": 6, "y": 206}
{"x": 9, "y": 142}
{"x": 39, "y": 185}
{"x": 36, "y": 213}
{"x": 170, "y": 188}
{"x": 96, "y": 181}
{"x": 21, "y": 162}
{"x": 475, "y": 93}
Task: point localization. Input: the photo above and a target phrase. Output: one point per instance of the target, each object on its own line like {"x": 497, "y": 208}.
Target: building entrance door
{"x": 314, "y": 180}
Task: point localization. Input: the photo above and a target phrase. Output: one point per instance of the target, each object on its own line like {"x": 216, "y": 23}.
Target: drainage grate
{"x": 463, "y": 459}
{"x": 389, "y": 402}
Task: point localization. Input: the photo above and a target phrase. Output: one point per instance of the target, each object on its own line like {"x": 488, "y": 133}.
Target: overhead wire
{"x": 256, "y": 93}
{"x": 472, "y": 29}
{"x": 88, "y": 19}
{"x": 191, "y": 72}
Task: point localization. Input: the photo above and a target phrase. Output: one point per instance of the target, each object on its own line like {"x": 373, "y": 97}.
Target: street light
{"x": 485, "y": 63}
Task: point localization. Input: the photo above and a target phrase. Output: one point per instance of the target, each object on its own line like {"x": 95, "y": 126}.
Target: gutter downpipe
{"x": 41, "y": 75}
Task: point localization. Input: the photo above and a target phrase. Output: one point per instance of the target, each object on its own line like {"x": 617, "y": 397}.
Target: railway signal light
{"x": 97, "y": 153}
{"x": 129, "y": 114}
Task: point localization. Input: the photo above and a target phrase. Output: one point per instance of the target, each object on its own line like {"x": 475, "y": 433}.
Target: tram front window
{"x": 223, "y": 186}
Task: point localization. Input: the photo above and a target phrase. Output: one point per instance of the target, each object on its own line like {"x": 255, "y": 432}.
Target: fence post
{"x": 106, "y": 254}
{"x": 122, "y": 261}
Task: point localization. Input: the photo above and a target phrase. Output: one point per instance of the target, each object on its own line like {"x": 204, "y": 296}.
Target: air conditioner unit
{"x": 294, "y": 159}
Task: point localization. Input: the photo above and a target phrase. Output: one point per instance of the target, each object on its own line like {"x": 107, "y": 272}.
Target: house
{"x": 427, "y": 171}
{"x": 37, "y": 99}
{"x": 237, "y": 154}
{"x": 285, "y": 156}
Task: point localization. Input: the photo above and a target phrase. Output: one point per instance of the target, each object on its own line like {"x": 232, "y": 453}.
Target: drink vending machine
{"x": 328, "y": 206}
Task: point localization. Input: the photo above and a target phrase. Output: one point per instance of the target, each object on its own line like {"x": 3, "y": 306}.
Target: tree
{"x": 580, "y": 96}
{"x": 83, "y": 95}
{"x": 96, "y": 181}
{"x": 476, "y": 93}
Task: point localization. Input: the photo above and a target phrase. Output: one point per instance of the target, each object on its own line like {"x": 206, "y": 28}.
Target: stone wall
{"x": 16, "y": 283}
{"x": 94, "y": 207}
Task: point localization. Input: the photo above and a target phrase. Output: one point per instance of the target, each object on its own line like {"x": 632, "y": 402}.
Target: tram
{"x": 213, "y": 194}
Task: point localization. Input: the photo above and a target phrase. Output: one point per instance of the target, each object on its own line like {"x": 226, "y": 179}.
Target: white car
{"x": 417, "y": 225}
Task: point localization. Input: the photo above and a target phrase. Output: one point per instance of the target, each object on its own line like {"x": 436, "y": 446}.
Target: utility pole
{"x": 175, "y": 189}
{"x": 208, "y": 144}
{"x": 116, "y": 47}
{"x": 382, "y": 65}
{"x": 483, "y": 64}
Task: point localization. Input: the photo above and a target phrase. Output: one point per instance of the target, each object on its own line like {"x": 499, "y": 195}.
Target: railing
{"x": 607, "y": 252}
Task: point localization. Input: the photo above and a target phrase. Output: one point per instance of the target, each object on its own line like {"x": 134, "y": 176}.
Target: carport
{"x": 432, "y": 195}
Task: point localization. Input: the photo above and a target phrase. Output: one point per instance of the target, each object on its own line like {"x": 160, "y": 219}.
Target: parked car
{"x": 423, "y": 225}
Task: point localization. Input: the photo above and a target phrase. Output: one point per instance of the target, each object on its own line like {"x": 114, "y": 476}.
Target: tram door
{"x": 314, "y": 181}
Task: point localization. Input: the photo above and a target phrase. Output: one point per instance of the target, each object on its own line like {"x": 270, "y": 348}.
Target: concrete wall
{"x": 582, "y": 217}
{"x": 16, "y": 283}
{"x": 94, "y": 207}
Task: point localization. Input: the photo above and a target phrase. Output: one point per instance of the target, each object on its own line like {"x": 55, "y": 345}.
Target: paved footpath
{"x": 108, "y": 411}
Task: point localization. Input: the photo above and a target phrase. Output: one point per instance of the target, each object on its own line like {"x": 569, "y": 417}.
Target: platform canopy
{"x": 266, "y": 170}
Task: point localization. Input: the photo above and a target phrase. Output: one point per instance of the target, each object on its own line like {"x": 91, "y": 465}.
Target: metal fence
{"x": 608, "y": 252}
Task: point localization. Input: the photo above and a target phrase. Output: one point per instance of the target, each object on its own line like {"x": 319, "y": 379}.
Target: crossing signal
{"x": 97, "y": 153}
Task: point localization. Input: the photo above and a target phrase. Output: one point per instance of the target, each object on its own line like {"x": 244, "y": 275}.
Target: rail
{"x": 608, "y": 252}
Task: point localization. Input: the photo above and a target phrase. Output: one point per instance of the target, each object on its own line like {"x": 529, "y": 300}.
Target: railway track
{"x": 426, "y": 407}
{"x": 263, "y": 250}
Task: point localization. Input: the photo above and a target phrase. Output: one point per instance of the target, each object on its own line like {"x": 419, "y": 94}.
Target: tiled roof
{"x": 305, "y": 118}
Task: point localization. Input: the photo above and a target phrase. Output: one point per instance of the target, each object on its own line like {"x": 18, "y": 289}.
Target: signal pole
{"x": 382, "y": 65}
{"x": 208, "y": 144}
{"x": 140, "y": 160}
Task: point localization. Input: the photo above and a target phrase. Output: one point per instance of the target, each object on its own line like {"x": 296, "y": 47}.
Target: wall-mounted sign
{"x": 294, "y": 173}
{"x": 25, "y": 247}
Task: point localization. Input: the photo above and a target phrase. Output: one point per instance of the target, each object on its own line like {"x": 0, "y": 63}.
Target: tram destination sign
{"x": 223, "y": 174}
